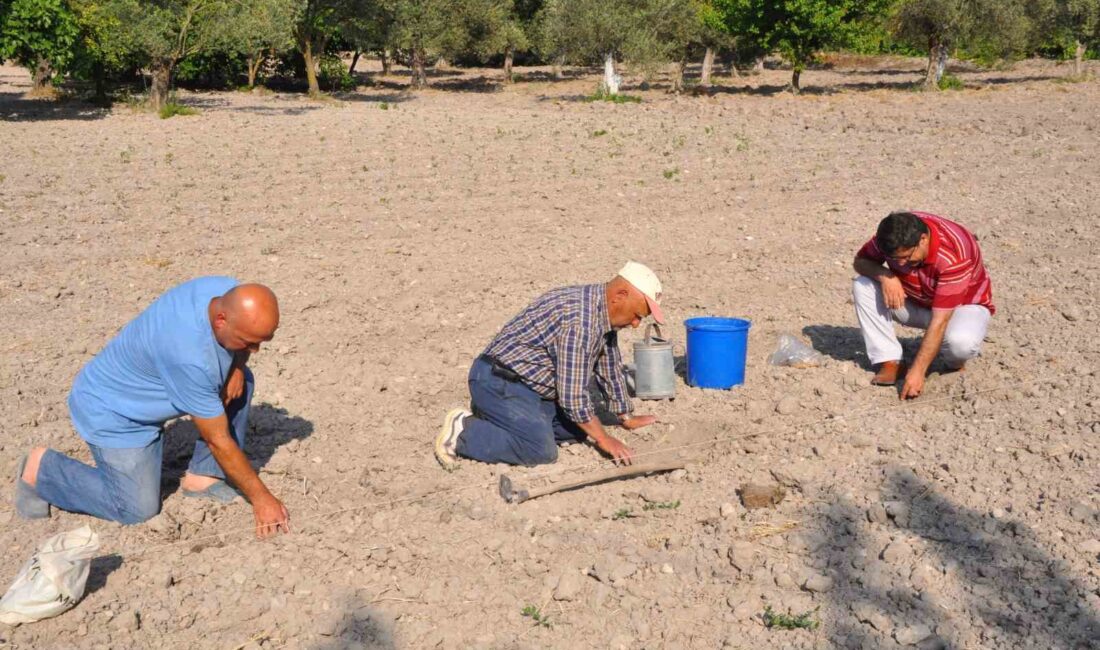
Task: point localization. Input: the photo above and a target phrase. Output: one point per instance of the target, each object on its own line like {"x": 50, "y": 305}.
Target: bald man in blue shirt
{"x": 186, "y": 354}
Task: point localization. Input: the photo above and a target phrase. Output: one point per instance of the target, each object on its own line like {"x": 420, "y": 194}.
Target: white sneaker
{"x": 447, "y": 440}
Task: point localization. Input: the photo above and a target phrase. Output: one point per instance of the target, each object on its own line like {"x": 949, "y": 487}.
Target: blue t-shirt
{"x": 164, "y": 364}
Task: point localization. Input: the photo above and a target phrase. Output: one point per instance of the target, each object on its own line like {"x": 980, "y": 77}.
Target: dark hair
{"x": 899, "y": 230}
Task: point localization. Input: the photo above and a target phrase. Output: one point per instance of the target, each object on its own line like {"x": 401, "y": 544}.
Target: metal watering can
{"x": 654, "y": 367}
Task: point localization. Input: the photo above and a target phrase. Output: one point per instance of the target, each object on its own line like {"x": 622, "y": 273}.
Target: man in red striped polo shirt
{"x": 933, "y": 279}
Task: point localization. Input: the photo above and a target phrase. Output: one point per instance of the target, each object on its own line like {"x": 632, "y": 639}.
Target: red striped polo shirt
{"x": 951, "y": 276}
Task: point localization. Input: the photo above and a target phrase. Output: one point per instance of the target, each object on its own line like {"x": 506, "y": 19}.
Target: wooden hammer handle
{"x": 607, "y": 475}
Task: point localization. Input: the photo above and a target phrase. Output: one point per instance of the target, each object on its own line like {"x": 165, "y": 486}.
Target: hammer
{"x": 513, "y": 494}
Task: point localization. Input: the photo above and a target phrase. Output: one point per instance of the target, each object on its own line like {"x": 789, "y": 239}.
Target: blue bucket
{"x": 716, "y": 349}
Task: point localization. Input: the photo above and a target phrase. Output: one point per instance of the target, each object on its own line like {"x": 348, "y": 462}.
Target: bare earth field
{"x": 401, "y": 231}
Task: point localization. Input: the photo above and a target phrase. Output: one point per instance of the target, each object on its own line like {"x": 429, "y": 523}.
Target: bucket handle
{"x": 649, "y": 333}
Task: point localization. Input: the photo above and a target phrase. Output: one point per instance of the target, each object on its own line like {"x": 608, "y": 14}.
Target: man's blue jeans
{"x": 124, "y": 484}
{"x": 512, "y": 423}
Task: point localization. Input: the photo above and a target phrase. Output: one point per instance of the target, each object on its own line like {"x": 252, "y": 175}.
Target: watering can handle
{"x": 649, "y": 333}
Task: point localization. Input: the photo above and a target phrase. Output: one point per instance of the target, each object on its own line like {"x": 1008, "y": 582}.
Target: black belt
{"x": 501, "y": 370}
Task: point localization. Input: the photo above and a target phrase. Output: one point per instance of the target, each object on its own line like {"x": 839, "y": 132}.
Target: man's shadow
{"x": 268, "y": 428}
{"x": 845, "y": 343}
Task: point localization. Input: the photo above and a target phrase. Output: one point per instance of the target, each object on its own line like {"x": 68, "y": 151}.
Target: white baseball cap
{"x": 645, "y": 280}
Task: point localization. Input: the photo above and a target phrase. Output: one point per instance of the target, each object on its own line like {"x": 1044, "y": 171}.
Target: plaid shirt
{"x": 557, "y": 342}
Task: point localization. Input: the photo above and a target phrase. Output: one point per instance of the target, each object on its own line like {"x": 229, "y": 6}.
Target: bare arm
{"x": 234, "y": 382}
{"x": 271, "y": 514}
{"x": 929, "y": 348}
{"x": 609, "y": 444}
{"x": 892, "y": 291}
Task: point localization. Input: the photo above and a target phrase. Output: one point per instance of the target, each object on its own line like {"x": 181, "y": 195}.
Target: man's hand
{"x": 271, "y": 516}
{"x": 637, "y": 421}
{"x": 234, "y": 385}
{"x": 914, "y": 384}
{"x": 615, "y": 448}
{"x": 892, "y": 292}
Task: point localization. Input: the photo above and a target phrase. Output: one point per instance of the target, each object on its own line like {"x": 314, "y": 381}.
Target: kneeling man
{"x": 933, "y": 279}
{"x": 529, "y": 388}
{"x": 186, "y": 354}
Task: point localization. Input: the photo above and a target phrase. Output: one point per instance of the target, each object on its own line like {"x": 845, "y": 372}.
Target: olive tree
{"x": 41, "y": 35}
{"x": 257, "y": 29}
{"x": 940, "y": 25}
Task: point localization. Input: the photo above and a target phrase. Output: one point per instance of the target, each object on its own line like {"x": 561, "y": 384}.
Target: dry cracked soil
{"x": 402, "y": 230}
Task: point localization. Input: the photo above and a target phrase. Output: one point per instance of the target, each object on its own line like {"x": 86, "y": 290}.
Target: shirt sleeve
{"x": 191, "y": 391}
{"x": 952, "y": 284}
{"x": 871, "y": 251}
{"x": 609, "y": 375}
{"x": 573, "y": 368}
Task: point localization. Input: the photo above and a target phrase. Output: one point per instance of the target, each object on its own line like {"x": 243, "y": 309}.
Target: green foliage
{"x": 532, "y": 612}
{"x": 799, "y": 29}
{"x": 214, "y": 69}
{"x": 601, "y": 95}
{"x": 334, "y": 75}
{"x": 599, "y": 132}
{"x": 642, "y": 32}
{"x": 32, "y": 31}
{"x": 623, "y": 513}
{"x": 950, "y": 82}
{"x": 172, "y": 109}
{"x": 662, "y": 505}
{"x": 803, "y": 621}
{"x": 1001, "y": 26}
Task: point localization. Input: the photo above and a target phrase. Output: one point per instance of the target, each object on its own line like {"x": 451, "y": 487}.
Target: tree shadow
{"x": 101, "y": 567}
{"x": 14, "y": 107}
{"x": 1013, "y": 590}
{"x": 268, "y": 428}
{"x": 357, "y": 625}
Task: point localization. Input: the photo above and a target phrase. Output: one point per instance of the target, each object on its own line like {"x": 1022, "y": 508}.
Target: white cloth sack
{"x": 53, "y": 580}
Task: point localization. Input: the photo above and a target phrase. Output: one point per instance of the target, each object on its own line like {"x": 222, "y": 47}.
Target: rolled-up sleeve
{"x": 609, "y": 374}
{"x": 573, "y": 367}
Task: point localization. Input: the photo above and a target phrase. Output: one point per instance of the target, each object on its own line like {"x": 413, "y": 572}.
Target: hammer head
{"x": 510, "y": 494}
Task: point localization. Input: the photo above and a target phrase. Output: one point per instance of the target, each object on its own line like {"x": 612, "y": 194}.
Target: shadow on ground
{"x": 952, "y": 560}
{"x": 14, "y": 107}
{"x": 357, "y": 624}
{"x": 101, "y": 567}
{"x": 269, "y": 427}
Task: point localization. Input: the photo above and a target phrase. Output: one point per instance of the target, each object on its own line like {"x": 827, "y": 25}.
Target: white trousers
{"x": 961, "y": 342}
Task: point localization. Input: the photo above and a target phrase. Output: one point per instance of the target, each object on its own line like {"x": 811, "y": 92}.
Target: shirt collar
{"x": 933, "y": 243}
{"x": 604, "y": 318}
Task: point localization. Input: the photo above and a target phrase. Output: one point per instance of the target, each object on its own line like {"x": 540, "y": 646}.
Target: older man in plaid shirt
{"x": 529, "y": 388}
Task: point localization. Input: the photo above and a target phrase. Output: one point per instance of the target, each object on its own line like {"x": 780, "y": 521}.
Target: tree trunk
{"x": 610, "y": 79}
{"x": 1079, "y": 60}
{"x": 311, "y": 66}
{"x": 354, "y": 60}
{"x": 162, "y": 82}
{"x": 254, "y": 62}
{"x": 509, "y": 56}
{"x": 796, "y": 74}
{"x": 387, "y": 63}
{"x": 677, "y": 76}
{"x": 99, "y": 79}
{"x": 758, "y": 66}
{"x": 708, "y": 65}
{"x": 559, "y": 63}
{"x": 937, "y": 63}
{"x": 419, "y": 74}
{"x": 41, "y": 76}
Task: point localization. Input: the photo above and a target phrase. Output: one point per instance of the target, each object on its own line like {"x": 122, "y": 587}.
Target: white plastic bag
{"x": 53, "y": 580}
{"x": 793, "y": 352}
